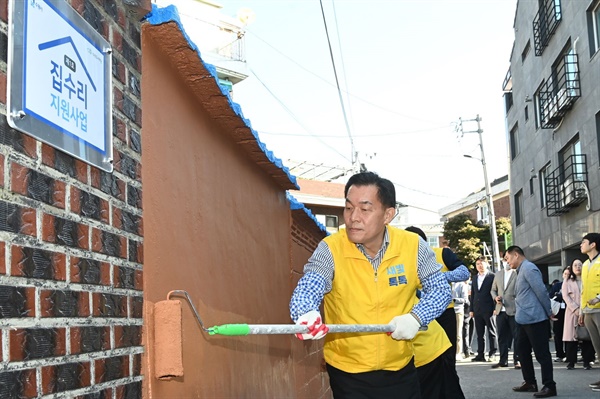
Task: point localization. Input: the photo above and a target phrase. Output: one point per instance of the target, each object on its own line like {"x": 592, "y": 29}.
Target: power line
{"x": 337, "y": 83}
{"x": 289, "y": 111}
{"x": 363, "y": 135}
{"x": 331, "y": 84}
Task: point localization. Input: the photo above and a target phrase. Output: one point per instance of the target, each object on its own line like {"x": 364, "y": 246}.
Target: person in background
{"x": 558, "y": 320}
{"x": 482, "y": 310}
{"x": 454, "y": 271}
{"x": 533, "y": 316}
{"x": 369, "y": 273}
{"x": 571, "y": 292}
{"x": 590, "y": 292}
{"x": 468, "y": 326}
{"x": 460, "y": 296}
{"x": 503, "y": 293}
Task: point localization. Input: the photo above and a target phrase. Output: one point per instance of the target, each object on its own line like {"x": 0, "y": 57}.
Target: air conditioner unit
{"x": 570, "y": 191}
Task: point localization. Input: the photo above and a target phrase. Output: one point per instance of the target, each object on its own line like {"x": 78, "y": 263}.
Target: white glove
{"x": 406, "y": 325}
{"x": 314, "y": 322}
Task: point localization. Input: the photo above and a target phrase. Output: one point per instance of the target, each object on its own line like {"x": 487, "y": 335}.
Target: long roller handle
{"x": 250, "y": 329}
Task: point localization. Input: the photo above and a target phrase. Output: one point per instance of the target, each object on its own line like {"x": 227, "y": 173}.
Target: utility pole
{"x": 488, "y": 191}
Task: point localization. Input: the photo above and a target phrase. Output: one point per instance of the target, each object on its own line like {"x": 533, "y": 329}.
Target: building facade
{"x": 552, "y": 100}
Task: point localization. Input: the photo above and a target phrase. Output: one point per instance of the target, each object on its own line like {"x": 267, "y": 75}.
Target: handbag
{"x": 582, "y": 333}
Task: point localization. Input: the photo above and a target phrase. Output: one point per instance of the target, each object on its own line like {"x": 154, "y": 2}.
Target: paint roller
{"x": 168, "y": 360}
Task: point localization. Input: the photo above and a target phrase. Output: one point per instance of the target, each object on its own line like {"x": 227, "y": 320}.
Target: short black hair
{"x": 414, "y": 229}
{"x": 386, "y": 192}
{"x": 515, "y": 248}
{"x": 593, "y": 238}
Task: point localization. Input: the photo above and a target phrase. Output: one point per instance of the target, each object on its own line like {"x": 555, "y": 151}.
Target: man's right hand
{"x": 314, "y": 322}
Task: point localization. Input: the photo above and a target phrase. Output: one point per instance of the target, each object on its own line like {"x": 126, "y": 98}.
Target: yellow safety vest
{"x": 361, "y": 296}
{"x": 590, "y": 283}
{"x": 430, "y": 344}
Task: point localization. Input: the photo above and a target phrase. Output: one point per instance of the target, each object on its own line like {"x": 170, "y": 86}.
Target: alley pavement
{"x": 479, "y": 381}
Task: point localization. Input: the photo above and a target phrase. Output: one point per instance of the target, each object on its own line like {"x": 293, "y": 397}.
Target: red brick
{"x": 29, "y": 145}
{"x": 3, "y": 87}
{"x": 46, "y": 303}
{"x": 105, "y": 272}
{"x": 95, "y": 177}
{"x": 16, "y": 345}
{"x": 19, "y": 178}
{"x": 137, "y": 364}
{"x": 117, "y": 100}
{"x": 96, "y": 240}
{"x": 48, "y": 154}
{"x": 121, "y": 129}
{"x": 138, "y": 280}
{"x": 117, "y": 218}
{"x": 48, "y": 379}
{"x": 28, "y": 222}
{"x": 61, "y": 342}
{"x": 4, "y": 10}
{"x": 59, "y": 262}
{"x": 75, "y": 200}
{"x": 141, "y": 227}
{"x": 81, "y": 169}
{"x": 99, "y": 372}
{"x": 48, "y": 230}
{"x": 83, "y": 234}
{"x": 30, "y": 385}
{"x": 58, "y": 195}
{"x": 104, "y": 211}
{"x": 117, "y": 40}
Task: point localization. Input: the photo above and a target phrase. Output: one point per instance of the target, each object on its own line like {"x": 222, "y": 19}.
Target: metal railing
{"x": 565, "y": 185}
{"x": 559, "y": 93}
{"x": 545, "y": 23}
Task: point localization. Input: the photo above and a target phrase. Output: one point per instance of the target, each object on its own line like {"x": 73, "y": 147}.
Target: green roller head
{"x": 230, "y": 329}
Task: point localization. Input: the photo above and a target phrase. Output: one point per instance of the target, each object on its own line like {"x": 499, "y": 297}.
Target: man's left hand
{"x": 406, "y": 325}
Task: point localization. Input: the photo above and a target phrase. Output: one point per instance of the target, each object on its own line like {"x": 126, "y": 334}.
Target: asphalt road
{"x": 479, "y": 381}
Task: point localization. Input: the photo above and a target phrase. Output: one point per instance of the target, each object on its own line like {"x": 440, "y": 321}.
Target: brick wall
{"x": 71, "y": 241}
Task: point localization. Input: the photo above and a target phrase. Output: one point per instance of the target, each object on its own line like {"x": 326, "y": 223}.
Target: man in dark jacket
{"x": 482, "y": 309}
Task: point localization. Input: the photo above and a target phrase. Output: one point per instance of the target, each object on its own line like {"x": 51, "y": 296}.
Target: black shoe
{"x": 478, "y": 359}
{"x": 587, "y": 366}
{"x": 526, "y": 387}
{"x": 570, "y": 366}
{"x": 545, "y": 393}
{"x": 498, "y": 365}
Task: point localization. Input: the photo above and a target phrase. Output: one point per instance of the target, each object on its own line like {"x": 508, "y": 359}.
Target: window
{"x": 594, "y": 27}
{"x": 514, "y": 142}
{"x": 576, "y": 168}
{"x": 543, "y": 173}
{"x": 433, "y": 241}
{"x": 526, "y": 113}
{"x": 598, "y": 130}
{"x": 526, "y": 51}
{"x": 483, "y": 213}
{"x": 519, "y": 207}
{"x": 538, "y": 106}
{"x": 531, "y": 186}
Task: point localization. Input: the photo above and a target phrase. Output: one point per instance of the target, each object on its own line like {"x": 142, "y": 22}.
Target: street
{"x": 479, "y": 380}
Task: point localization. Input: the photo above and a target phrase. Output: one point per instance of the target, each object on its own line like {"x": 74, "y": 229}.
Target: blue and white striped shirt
{"x": 320, "y": 269}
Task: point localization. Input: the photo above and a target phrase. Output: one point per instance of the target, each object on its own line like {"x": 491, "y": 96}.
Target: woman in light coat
{"x": 571, "y": 292}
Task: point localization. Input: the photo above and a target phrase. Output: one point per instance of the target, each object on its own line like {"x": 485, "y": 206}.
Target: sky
{"x": 408, "y": 70}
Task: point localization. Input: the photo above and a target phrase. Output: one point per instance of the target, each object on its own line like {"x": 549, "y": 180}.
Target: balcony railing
{"x": 559, "y": 93}
{"x": 545, "y": 23}
{"x": 565, "y": 186}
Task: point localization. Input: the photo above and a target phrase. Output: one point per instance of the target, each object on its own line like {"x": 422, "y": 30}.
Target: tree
{"x": 465, "y": 236}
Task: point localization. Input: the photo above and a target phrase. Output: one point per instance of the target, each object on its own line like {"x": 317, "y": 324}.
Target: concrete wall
{"x": 71, "y": 244}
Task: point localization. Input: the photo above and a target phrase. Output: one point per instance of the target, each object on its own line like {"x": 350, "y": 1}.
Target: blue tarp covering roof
{"x": 160, "y": 16}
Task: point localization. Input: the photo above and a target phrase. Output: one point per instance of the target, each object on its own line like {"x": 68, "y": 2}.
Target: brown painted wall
{"x": 219, "y": 227}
